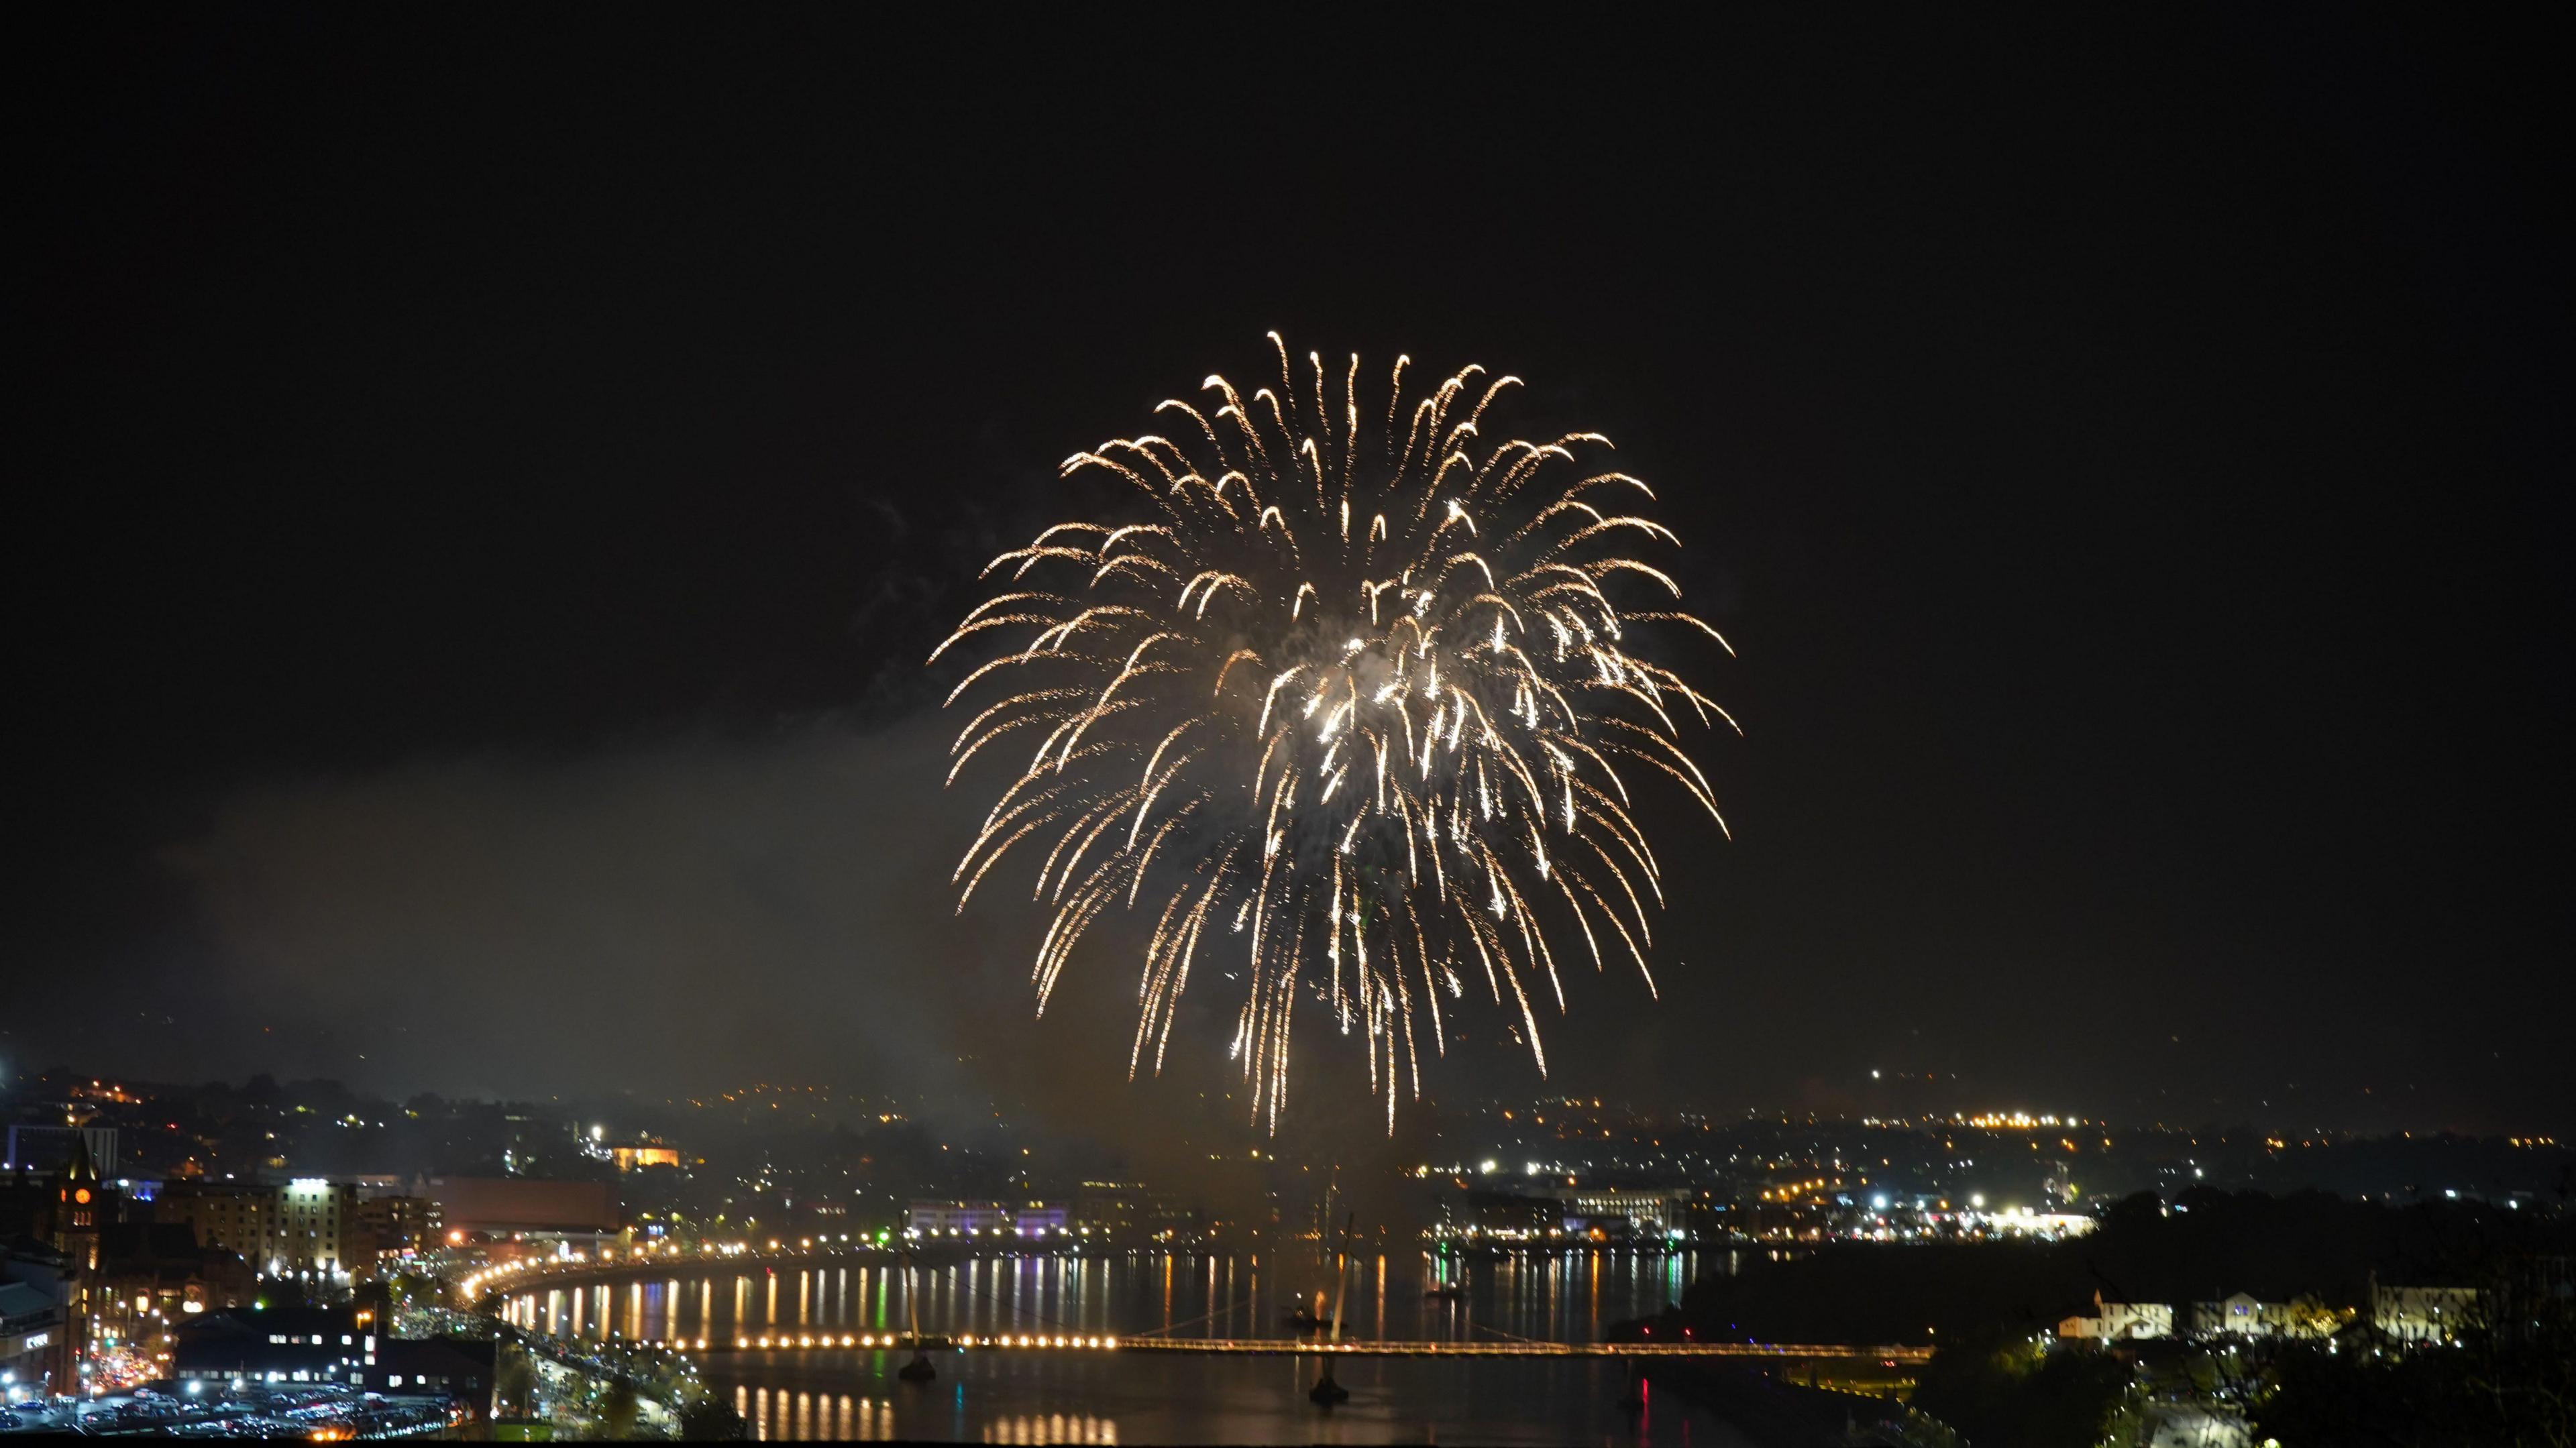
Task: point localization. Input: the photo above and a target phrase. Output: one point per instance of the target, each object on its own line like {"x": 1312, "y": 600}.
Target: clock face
{"x": 81, "y": 1195}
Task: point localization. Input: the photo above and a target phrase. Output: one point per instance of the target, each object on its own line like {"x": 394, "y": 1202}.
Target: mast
{"x": 1342, "y": 1275}
{"x": 1326, "y": 1392}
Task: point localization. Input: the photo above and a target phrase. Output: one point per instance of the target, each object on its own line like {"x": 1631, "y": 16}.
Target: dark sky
{"x": 485, "y": 485}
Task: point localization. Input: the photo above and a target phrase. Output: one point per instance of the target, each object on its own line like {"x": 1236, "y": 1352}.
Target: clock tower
{"x": 82, "y": 1205}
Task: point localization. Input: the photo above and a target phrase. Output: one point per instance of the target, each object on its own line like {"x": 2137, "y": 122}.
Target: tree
{"x": 705, "y": 1420}
{"x": 619, "y": 1408}
{"x": 2014, "y": 1392}
{"x": 2311, "y": 1318}
{"x": 514, "y": 1380}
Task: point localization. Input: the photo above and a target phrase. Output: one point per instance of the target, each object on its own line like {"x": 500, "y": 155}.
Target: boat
{"x": 1445, "y": 1288}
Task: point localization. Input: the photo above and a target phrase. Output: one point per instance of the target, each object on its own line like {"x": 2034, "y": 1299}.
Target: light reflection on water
{"x": 1039, "y": 1396}
{"x": 1067, "y": 1397}
{"x": 1570, "y": 1296}
{"x": 861, "y": 1418}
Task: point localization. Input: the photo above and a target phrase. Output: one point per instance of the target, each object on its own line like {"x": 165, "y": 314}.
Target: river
{"x": 1073, "y": 1396}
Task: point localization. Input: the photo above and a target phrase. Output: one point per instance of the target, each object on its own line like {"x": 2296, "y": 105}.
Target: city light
{"x": 1823, "y": 1180}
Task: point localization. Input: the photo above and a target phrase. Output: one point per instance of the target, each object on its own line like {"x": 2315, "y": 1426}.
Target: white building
{"x": 2120, "y": 1321}
{"x": 2422, "y": 1314}
{"x": 2245, "y": 1315}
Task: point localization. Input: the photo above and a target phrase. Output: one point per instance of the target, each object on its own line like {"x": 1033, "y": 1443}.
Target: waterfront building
{"x": 1626, "y": 1211}
{"x": 1111, "y": 1208}
{"x": 964, "y": 1219}
{"x": 1131, "y": 1209}
{"x": 1503, "y": 1216}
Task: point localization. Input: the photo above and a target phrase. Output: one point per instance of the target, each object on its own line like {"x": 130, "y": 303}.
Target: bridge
{"x": 496, "y": 1280}
{"x": 1287, "y": 1347}
{"x": 1516, "y": 1348}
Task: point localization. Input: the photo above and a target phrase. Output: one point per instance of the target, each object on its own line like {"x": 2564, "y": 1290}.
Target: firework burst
{"x": 1345, "y": 699}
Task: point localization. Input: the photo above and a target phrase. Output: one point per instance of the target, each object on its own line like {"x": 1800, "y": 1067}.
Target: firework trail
{"x": 1349, "y": 699}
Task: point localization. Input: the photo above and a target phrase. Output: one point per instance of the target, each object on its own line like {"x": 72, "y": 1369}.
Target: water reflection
{"x": 1050, "y": 1397}
{"x": 1570, "y": 1296}
{"x": 1053, "y": 1428}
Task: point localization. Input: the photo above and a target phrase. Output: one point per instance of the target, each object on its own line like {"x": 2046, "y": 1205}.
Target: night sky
{"x": 486, "y": 484}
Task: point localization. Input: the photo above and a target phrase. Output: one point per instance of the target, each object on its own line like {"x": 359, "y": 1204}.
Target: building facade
{"x": 2245, "y": 1315}
{"x": 84, "y": 1204}
{"x": 303, "y": 1228}
{"x": 36, "y": 1329}
{"x": 986, "y": 1219}
{"x": 2121, "y": 1322}
{"x": 1627, "y": 1211}
{"x": 282, "y": 1345}
{"x": 306, "y": 1345}
{"x": 1131, "y": 1210}
{"x": 152, "y": 1279}
{"x": 500, "y": 1206}
{"x": 1505, "y": 1216}
{"x": 48, "y": 1148}
{"x": 392, "y": 1227}
{"x": 2416, "y": 1315}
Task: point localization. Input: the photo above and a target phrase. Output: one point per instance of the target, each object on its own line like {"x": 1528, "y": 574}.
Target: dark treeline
{"x": 2205, "y": 1245}
{"x": 1999, "y": 1379}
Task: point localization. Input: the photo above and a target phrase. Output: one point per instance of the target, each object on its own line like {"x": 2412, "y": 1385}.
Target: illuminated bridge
{"x": 1522, "y": 1349}
{"x": 1287, "y": 1347}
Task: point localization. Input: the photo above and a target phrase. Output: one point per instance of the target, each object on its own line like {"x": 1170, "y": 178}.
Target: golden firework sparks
{"x": 1345, "y": 701}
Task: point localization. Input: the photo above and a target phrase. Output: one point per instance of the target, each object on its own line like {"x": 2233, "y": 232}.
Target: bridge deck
{"x": 1524, "y": 1349}
{"x": 1297, "y": 1347}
